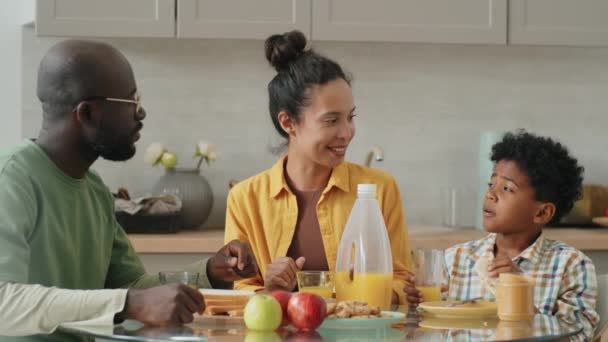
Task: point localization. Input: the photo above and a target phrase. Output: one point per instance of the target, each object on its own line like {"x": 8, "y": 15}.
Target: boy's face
{"x": 510, "y": 205}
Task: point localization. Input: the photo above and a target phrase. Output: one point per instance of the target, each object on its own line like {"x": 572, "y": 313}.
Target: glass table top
{"x": 412, "y": 328}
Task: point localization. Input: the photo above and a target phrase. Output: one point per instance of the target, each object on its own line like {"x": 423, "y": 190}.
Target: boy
{"x": 534, "y": 183}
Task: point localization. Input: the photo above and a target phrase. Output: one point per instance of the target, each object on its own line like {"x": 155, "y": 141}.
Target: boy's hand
{"x": 413, "y": 296}
{"x": 502, "y": 264}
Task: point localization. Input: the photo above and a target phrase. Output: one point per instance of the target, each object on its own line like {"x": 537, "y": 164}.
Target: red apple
{"x": 283, "y": 298}
{"x": 306, "y": 311}
{"x": 606, "y": 212}
{"x": 304, "y": 336}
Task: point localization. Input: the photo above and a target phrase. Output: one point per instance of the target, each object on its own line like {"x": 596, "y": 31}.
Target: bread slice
{"x": 481, "y": 268}
{"x": 222, "y": 310}
{"x": 236, "y": 313}
{"x": 225, "y": 302}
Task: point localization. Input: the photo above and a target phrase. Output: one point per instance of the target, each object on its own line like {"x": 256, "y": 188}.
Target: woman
{"x": 293, "y": 214}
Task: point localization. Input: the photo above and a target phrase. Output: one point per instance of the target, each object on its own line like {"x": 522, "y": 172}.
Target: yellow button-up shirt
{"x": 263, "y": 211}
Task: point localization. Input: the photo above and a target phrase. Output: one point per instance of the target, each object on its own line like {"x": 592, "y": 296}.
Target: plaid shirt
{"x": 566, "y": 286}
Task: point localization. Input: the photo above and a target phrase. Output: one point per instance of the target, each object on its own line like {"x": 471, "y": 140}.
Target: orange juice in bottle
{"x": 364, "y": 267}
{"x": 369, "y": 287}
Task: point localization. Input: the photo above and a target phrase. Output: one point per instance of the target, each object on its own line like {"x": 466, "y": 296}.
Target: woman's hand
{"x": 413, "y": 296}
{"x": 281, "y": 274}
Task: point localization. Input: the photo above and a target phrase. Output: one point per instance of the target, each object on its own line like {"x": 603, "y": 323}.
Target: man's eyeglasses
{"x": 136, "y": 100}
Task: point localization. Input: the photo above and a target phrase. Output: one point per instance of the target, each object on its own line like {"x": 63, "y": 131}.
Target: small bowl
{"x": 602, "y": 221}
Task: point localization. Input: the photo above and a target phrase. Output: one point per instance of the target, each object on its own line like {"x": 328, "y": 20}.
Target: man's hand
{"x": 502, "y": 264}
{"x": 234, "y": 261}
{"x": 167, "y": 305}
{"x": 281, "y": 274}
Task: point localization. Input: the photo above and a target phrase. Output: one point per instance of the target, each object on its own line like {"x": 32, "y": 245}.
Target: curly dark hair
{"x": 554, "y": 174}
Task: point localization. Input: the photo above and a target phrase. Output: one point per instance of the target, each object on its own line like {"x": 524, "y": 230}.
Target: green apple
{"x": 262, "y": 336}
{"x": 263, "y": 313}
{"x": 169, "y": 160}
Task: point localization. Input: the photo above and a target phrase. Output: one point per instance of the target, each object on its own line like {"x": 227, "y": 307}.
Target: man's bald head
{"x": 73, "y": 70}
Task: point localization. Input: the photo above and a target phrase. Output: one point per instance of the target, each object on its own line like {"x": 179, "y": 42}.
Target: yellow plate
{"x": 481, "y": 309}
{"x": 433, "y": 322}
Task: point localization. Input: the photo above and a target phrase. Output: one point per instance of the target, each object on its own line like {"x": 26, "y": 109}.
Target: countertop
{"x": 210, "y": 241}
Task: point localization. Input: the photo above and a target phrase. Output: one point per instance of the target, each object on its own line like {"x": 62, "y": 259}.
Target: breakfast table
{"x": 413, "y": 327}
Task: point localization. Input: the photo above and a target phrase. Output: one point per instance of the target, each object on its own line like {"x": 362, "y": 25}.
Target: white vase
{"x": 194, "y": 191}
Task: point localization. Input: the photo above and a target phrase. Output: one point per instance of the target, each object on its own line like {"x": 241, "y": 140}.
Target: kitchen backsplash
{"x": 424, "y": 104}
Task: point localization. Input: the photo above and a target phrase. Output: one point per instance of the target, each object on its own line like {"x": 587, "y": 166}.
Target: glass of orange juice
{"x": 429, "y": 271}
{"x": 318, "y": 282}
{"x": 184, "y": 277}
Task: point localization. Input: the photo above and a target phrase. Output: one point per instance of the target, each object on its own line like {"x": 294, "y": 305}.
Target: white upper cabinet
{"x": 559, "y": 22}
{"x": 538, "y": 22}
{"x": 107, "y": 18}
{"x": 437, "y": 21}
{"x": 246, "y": 19}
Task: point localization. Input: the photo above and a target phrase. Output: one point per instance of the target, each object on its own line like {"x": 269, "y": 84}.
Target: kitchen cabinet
{"x": 108, "y": 18}
{"x": 539, "y": 22}
{"x": 435, "y": 21}
{"x": 559, "y": 22}
{"x": 242, "y": 19}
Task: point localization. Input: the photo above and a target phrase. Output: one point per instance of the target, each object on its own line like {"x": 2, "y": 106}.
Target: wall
{"x": 13, "y": 14}
{"x": 424, "y": 104}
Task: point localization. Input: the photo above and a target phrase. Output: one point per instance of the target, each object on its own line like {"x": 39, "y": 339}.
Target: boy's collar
{"x": 531, "y": 253}
{"x": 488, "y": 250}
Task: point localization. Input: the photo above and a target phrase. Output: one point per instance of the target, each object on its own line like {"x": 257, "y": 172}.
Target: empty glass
{"x": 457, "y": 206}
{"x": 184, "y": 277}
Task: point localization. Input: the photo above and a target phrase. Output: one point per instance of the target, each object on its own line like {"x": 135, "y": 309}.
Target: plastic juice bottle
{"x": 365, "y": 249}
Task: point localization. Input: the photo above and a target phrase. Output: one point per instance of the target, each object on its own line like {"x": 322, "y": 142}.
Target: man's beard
{"x": 113, "y": 147}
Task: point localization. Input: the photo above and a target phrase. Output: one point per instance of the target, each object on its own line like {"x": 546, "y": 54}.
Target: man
{"x": 63, "y": 256}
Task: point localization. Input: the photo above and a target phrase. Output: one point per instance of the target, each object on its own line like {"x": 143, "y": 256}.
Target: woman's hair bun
{"x": 282, "y": 49}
